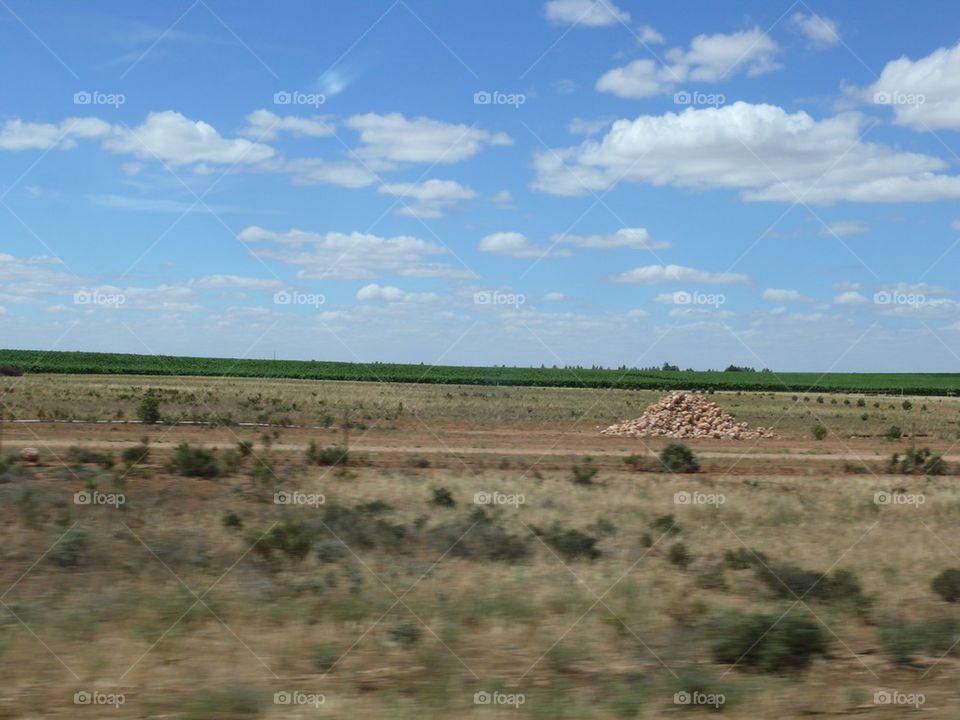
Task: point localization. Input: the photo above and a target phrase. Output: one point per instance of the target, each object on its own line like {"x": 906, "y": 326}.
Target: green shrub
{"x": 906, "y": 405}
{"x": 902, "y": 639}
{"x": 678, "y": 458}
{"x": 768, "y": 643}
{"x": 584, "y": 473}
{"x": 148, "y": 412}
{"x": 666, "y": 524}
{"x": 244, "y": 447}
{"x": 333, "y": 455}
{"x": 918, "y": 462}
{"x": 679, "y": 555}
{"x": 232, "y": 520}
{"x": 819, "y": 431}
{"x": 292, "y": 538}
{"x": 791, "y": 582}
{"x": 569, "y": 542}
{"x": 136, "y": 455}
{"x": 947, "y": 584}
{"x": 443, "y": 497}
{"x": 479, "y": 536}
{"x": 195, "y": 461}
{"x": 637, "y": 462}
{"x": 73, "y": 548}
{"x": 893, "y": 433}
{"x": 743, "y": 558}
{"x": 407, "y": 633}
{"x": 82, "y": 455}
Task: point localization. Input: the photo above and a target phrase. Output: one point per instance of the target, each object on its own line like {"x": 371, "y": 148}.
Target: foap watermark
{"x": 484, "y": 97}
{"x": 895, "y": 97}
{"x": 897, "y": 498}
{"x": 896, "y": 697}
{"x": 685, "y": 297}
{"x": 287, "y": 297}
{"x": 496, "y": 297}
{"x": 295, "y": 97}
{"x": 698, "y": 498}
{"x": 698, "y": 98}
{"x": 95, "y": 497}
{"x": 95, "y": 697}
{"x": 295, "y": 497}
{"x": 499, "y": 498}
{"x": 714, "y": 700}
{"x": 86, "y": 97}
{"x": 99, "y": 299}
{"x": 296, "y": 697}
{"x": 886, "y": 297}
{"x": 482, "y": 697}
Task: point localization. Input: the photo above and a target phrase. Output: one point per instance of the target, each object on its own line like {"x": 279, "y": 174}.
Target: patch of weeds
{"x": 678, "y": 458}
{"x": 442, "y": 497}
{"x": 231, "y": 520}
{"x": 666, "y": 524}
{"x": 73, "y": 549}
{"x": 406, "y": 634}
{"x": 584, "y": 473}
{"x": 569, "y": 542}
{"x": 86, "y": 456}
{"x": 767, "y": 643}
{"x": 332, "y": 455}
{"x": 195, "y": 461}
{"x": 743, "y": 558}
{"x": 947, "y": 585}
{"x": 480, "y": 536}
{"x": 918, "y": 462}
{"x": 679, "y": 555}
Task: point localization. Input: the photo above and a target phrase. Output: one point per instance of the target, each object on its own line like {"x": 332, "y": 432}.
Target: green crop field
{"x": 109, "y": 363}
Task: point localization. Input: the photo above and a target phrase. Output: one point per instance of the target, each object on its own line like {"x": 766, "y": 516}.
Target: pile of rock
{"x": 685, "y": 415}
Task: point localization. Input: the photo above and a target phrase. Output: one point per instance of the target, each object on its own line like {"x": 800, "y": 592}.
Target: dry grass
{"x": 609, "y": 638}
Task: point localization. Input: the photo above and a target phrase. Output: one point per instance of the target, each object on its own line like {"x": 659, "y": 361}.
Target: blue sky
{"x": 567, "y": 182}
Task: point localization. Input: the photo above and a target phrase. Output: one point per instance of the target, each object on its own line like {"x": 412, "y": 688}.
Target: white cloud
{"x": 516, "y": 244}
{"x": 429, "y": 199}
{"x": 172, "y": 138}
{"x": 591, "y": 13}
{"x": 235, "y": 282}
{"x": 315, "y": 171}
{"x": 632, "y": 238}
{"x": 637, "y": 313}
{"x": 842, "y": 228}
{"x": 847, "y": 285}
{"x": 388, "y": 293}
{"x": 924, "y": 94}
{"x": 554, "y": 297}
{"x": 391, "y": 139}
{"x": 955, "y": 225}
{"x": 820, "y": 31}
{"x": 353, "y": 256}
{"x": 768, "y": 153}
{"x": 503, "y": 199}
{"x": 710, "y": 59}
{"x": 851, "y": 297}
{"x": 658, "y": 274}
{"x": 699, "y": 312}
{"x": 18, "y": 135}
{"x": 780, "y": 295}
{"x": 265, "y": 125}
{"x": 649, "y": 36}
{"x": 579, "y": 126}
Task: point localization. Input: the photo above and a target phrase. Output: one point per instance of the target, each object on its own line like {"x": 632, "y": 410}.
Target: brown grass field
{"x": 203, "y": 597}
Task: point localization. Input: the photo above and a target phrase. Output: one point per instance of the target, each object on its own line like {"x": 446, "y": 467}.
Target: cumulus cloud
{"x": 343, "y": 256}
{"x": 762, "y": 150}
{"x": 781, "y": 295}
{"x": 579, "y": 126}
{"x": 554, "y": 297}
{"x": 710, "y": 59}
{"x": 591, "y": 13}
{"x": 632, "y": 238}
{"x": 316, "y": 171}
{"x": 659, "y": 274}
{"x": 850, "y": 297}
{"x": 820, "y": 31}
{"x": 842, "y": 228}
{"x": 924, "y": 94}
{"x": 235, "y": 282}
{"x": 265, "y": 125}
{"x": 390, "y": 294}
{"x": 18, "y": 135}
{"x": 514, "y": 244}
{"x": 172, "y": 138}
{"x": 388, "y": 140}
{"x": 503, "y": 199}
{"x": 428, "y": 199}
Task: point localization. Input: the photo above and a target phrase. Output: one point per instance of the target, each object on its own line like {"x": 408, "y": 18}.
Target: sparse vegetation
{"x": 678, "y": 458}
